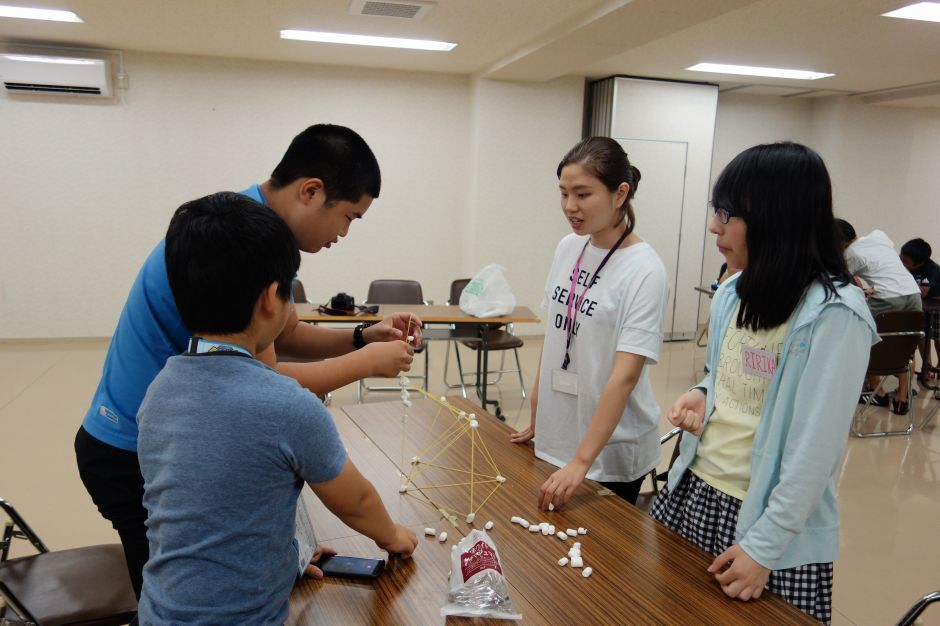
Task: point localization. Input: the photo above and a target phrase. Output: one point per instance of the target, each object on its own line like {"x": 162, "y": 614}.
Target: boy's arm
{"x": 355, "y": 501}
{"x": 386, "y": 359}
{"x": 302, "y": 340}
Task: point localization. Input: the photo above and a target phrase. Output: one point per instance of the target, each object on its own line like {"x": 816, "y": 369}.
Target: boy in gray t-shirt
{"x": 226, "y": 442}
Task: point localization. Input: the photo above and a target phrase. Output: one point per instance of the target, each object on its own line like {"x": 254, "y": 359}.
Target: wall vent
{"x": 410, "y": 10}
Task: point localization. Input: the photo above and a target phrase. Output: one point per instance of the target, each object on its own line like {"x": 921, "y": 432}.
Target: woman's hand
{"x": 688, "y": 411}
{"x": 739, "y": 575}
{"x": 560, "y": 485}
{"x": 523, "y": 435}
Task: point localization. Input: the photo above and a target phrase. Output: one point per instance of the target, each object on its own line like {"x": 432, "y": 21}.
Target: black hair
{"x": 783, "y": 193}
{"x": 222, "y": 252}
{"x": 917, "y": 250}
{"x": 846, "y": 231}
{"x": 605, "y": 159}
{"x": 336, "y": 155}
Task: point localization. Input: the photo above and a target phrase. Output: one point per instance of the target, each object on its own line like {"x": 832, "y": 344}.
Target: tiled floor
{"x": 889, "y": 489}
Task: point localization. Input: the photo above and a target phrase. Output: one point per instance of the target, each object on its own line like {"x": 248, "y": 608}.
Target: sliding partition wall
{"x": 667, "y": 129}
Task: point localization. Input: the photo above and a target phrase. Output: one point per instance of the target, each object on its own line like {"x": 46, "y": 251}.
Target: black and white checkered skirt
{"x": 707, "y": 517}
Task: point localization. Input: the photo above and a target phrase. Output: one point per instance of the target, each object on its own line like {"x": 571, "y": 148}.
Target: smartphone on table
{"x": 351, "y": 567}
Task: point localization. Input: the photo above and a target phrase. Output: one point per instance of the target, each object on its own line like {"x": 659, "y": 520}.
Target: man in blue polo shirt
{"x": 327, "y": 178}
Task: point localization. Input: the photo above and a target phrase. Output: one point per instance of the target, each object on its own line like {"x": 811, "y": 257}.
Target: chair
{"x": 496, "y": 339}
{"x": 297, "y": 291}
{"x": 910, "y": 618}
{"x": 88, "y": 586}
{"x": 388, "y": 291}
{"x": 900, "y": 332}
{"x": 646, "y": 498}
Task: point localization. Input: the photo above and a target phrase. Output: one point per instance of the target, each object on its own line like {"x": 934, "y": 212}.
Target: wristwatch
{"x": 358, "y": 341}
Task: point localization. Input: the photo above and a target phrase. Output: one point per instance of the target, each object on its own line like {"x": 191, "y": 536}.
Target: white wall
{"x": 89, "y": 188}
{"x": 884, "y": 161}
{"x": 468, "y": 169}
{"x": 520, "y": 133}
{"x": 885, "y": 167}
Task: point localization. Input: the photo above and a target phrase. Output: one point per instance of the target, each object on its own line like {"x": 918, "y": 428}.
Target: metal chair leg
{"x": 447, "y": 384}
{"x": 885, "y": 433}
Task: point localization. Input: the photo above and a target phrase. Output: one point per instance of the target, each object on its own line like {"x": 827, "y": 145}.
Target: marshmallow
{"x": 501, "y": 479}
{"x": 582, "y": 531}
{"x": 442, "y": 537}
{"x": 474, "y": 424}
{"x": 561, "y": 535}
{"x": 415, "y": 459}
{"x": 411, "y": 338}
{"x": 404, "y": 381}
{"x": 587, "y": 572}
{"x": 533, "y": 528}
{"x": 551, "y": 507}
{"x": 577, "y": 545}
{"x": 563, "y": 561}
{"x": 402, "y": 489}
{"x": 488, "y": 525}
{"x": 471, "y": 517}
{"x": 430, "y": 531}
{"x": 572, "y": 532}
{"x": 577, "y": 561}
{"x": 406, "y": 402}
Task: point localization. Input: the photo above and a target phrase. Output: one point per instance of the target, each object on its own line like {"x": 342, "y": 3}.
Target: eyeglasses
{"x": 723, "y": 215}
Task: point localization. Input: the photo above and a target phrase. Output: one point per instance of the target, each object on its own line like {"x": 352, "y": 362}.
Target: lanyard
{"x": 198, "y": 345}
{"x": 577, "y": 301}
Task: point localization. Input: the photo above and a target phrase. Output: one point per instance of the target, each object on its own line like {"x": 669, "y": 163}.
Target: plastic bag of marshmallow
{"x": 478, "y": 587}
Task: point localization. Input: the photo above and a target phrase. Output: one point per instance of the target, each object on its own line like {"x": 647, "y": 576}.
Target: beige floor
{"x": 888, "y": 488}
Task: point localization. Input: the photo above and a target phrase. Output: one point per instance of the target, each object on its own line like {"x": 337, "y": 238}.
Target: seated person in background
{"x": 226, "y": 442}
{"x": 915, "y": 255}
{"x": 873, "y": 259}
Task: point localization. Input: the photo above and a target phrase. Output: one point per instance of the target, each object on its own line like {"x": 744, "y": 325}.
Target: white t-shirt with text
{"x": 622, "y": 312}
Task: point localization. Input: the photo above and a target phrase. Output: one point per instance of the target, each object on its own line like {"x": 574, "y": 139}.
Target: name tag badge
{"x": 758, "y": 362}
{"x": 564, "y": 381}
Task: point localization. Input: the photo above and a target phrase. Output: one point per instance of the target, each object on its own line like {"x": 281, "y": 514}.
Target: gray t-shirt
{"x": 225, "y": 445}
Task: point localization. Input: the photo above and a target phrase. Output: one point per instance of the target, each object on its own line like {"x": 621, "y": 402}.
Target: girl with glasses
{"x": 789, "y": 339}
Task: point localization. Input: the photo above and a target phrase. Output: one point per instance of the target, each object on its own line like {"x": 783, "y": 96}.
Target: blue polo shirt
{"x": 148, "y": 333}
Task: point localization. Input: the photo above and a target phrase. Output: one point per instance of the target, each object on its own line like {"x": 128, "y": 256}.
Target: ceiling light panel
{"x": 367, "y": 40}
{"x": 923, "y": 11}
{"x": 750, "y": 70}
{"x": 49, "y": 15}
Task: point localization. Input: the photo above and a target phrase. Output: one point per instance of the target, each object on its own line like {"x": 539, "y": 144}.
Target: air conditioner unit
{"x": 49, "y": 74}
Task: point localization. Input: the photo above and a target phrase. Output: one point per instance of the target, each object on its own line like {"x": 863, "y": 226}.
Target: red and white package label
{"x": 478, "y": 558}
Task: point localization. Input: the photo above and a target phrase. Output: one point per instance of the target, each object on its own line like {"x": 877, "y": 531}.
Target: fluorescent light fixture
{"x": 50, "y": 15}
{"x": 924, "y": 11}
{"x": 29, "y": 58}
{"x": 368, "y": 40}
{"x": 749, "y": 70}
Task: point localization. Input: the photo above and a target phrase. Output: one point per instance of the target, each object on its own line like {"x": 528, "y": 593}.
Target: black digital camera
{"x": 343, "y": 302}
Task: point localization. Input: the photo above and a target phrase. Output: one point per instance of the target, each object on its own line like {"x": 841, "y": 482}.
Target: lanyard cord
{"x": 571, "y": 291}
{"x": 198, "y": 345}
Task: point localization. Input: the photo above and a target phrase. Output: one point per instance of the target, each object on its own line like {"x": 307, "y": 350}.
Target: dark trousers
{"x": 628, "y": 491}
{"x": 112, "y": 477}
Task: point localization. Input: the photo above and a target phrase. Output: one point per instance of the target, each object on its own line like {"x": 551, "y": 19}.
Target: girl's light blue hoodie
{"x": 789, "y": 516}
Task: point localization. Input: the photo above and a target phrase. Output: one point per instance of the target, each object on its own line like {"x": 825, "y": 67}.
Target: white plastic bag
{"x": 488, "y": 294}
{"x": 478, "y": 587}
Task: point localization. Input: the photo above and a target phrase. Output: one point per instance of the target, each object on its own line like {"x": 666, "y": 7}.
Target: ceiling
{"x": 882, "y": 60}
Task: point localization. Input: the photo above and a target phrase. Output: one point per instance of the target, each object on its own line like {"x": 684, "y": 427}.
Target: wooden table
{"x": 643, "y": 572}
{"x": 434, "y": 314}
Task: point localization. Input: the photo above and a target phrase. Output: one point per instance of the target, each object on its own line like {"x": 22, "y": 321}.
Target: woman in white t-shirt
{"x": 605, "y": 299}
